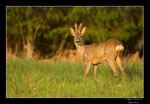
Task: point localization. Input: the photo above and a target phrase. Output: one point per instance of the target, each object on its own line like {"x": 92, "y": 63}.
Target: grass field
{"x": 27, "y": 78}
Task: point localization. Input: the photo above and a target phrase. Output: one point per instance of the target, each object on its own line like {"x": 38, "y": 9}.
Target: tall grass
{"x": 27, "y": 78}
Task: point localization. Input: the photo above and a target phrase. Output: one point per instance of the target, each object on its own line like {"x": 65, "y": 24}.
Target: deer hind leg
{"x": 118, "y": 60}
{"x": 112, "y": 65}
{"x": 95, "y": 69}
{"x": 88, "y": 65}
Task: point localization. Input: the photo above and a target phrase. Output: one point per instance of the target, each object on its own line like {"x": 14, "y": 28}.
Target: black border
{"x": 76, "y": 2}
{"x": 3, "y": 53}
{"x": 3, "y": 98}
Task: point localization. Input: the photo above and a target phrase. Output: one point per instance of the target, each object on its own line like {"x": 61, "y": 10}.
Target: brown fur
{"x": 97, "y": 53}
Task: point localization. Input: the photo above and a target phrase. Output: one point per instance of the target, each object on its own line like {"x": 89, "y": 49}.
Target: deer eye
{"x": 80, "y": 36}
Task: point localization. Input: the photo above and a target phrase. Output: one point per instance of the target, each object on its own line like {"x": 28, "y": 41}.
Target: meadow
{"x": 27, "y": 78}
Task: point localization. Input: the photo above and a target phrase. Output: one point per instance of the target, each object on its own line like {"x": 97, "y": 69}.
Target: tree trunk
{"x": 30, "y": 48}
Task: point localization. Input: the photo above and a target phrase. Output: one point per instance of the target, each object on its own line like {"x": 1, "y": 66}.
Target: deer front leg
{"x": 88, "y": 65}
{"x": 95, "y": 69}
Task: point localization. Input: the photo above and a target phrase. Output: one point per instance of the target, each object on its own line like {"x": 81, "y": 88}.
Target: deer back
{"x": 97, "y": 53}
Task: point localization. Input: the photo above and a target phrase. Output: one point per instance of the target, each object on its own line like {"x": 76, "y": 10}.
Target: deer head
{"x": 78, "y": 33}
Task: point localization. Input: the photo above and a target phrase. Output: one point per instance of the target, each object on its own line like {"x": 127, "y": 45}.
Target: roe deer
{"x": 97, "y": 53}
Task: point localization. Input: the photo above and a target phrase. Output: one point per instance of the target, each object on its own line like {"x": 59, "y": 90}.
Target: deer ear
{"x": 83, "y": 30}
{"x": 72, "y": 31}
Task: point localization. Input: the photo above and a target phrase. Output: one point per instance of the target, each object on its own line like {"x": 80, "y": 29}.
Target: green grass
{"x": 27, "y": 78}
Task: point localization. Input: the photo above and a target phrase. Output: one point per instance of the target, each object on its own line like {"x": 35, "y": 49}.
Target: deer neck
{"x": 80, "y": 48}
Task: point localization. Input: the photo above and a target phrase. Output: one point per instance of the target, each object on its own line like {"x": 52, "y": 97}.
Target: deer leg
{"x": 118, "y": 60}
{"x": 112, "y": 65}
{"x": 95, "y": 69}
{"x": 88, "y": 65}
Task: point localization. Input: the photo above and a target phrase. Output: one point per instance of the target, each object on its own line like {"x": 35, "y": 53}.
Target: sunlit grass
{"x": 27, "y": 78}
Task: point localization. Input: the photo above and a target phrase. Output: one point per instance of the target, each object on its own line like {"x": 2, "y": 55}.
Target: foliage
{"x": 54, "y": 22}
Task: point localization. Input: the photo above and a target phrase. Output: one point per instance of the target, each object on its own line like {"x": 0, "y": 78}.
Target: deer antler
{"x": 76, "y": 28}
{"x": 80, "y": 26}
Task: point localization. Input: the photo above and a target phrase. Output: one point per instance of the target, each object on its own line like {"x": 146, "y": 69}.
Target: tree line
{"x": 46, "y": 29}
